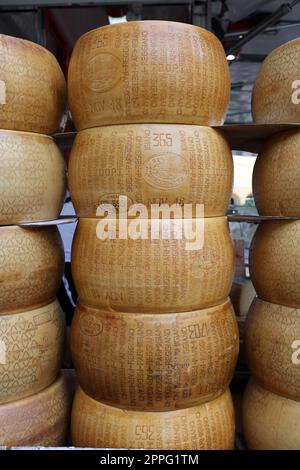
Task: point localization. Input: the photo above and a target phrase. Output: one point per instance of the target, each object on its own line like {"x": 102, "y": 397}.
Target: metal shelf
{"x": 64, "y": 3}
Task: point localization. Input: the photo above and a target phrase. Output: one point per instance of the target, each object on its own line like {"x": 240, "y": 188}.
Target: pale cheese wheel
{"x": 155, "y": 362}
{"x": 148, "y": 71}
{"x": 208, "y": 426}
{"x": 270, "y": 422}
{"x": 32, "y": 87}
{"x": 39, "y": 420}
{"x": 32, "y": 178}
{"x": 31, "y": 267}
{"x": 275, "y": 97}
{"x": 151, "y": 164}
{"x": 32, "y": 346}
{"x": 275, "y": 262}
{"x": 272, "y": 342}
{"x": 276, "y": 176}
{"x": 152, "y": 275}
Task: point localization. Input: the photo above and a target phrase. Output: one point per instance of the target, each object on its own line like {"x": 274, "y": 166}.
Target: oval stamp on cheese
{"x": 165, "y": 171}
{"x": 90, "y": 326}
{"x": 103, "y": 72}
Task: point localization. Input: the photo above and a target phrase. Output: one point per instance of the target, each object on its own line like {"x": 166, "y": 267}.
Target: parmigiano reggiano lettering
{"x": 148, "y": 71}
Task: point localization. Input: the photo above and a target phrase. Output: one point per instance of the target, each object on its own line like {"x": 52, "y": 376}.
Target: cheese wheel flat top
{"x": 31, "y": 267}
{"x": 153, "y": 275}
{"x": 276, "y": 176}
{"x": 275, "y": 262}
{"x": 272, "y": 333}
{"x": 32, "y": 87}
{"x": 148, "y": 71}
{"x": 31, "y": 349}
{"x": 154, "y": 362}
{"x": 151, "y": 164}
{"x": 205, "y": 427}
{"x": 39, "y": 420}
{"x": 32, "y": 178}
{"x": 275, "y": 97}
{"x": 270, "y": 422}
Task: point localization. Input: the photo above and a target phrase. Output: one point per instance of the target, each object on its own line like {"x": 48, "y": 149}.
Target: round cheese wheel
{"x": 152, "y": 275}
{"x": 32, "y": 263}
{"x": 276, "y": 178}
{"x": 151, "y": 164}
{"x": 275, "y": 262}
{"x": 32, "y": 87}
{"x": 272, "y": 342}
{"x": 275, "y": 97}
{"x": 154, "y": 362}
{"x": 32, "y": 178}
{"x": 39, "y": 420}
{"x": 148, "y": 71}
{"x": 270, "y": 422}
{"x": 32, "y": 347}
{"x": 204, "y": 427}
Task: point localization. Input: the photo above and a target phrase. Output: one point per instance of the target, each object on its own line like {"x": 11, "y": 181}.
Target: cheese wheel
{"x": 31, "y": 267}
{"x": 208, "y": 426}
{"x": 152, "y": 275}
{"x": 39, "y": 420}
{"x": 275, "y": 97}
{"x": 154, "y": 362}
{"x": 32, "y": 344}
{"x": 270, "y": 422}
{"x": 276, "y": 177}
{"x": 272, "y": 334}
{"x": 32, "y": 178}
{"x": 275, "y": 262}
{"x": 148, "y": 71}
{"x": 151, "y": 164}
{"x": 32, "y": 87}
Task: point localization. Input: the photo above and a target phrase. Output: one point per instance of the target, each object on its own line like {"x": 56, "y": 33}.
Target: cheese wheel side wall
{"x": 154, "y": 276}
{"x": 151, "y": 164}
{"x": 275, "y": 181}
{"x": 32, "y": 87}
{"x": 269, "y": 335}
{"x": 39, "y": 420}
{"x": 209, "y": 426}
{"x": 148, "y": 71}
{"x": 270, "y": 422}
{"x": 154, "y": 362}
{"x": 32, "y": 178}
{"x": 275, "y": 262}
{"x": 32, "y": 263}
{"x": 34, "y": 343}
{"x": 272, "y": 97}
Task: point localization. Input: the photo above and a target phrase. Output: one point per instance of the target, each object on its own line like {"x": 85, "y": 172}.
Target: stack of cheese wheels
{"x": 34, "y": 402}
{"x": 154, "y": 338}
{"x": 272, "y": 331}
{"x": 272, "y": 338}
{"x": 32, "y": 99}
